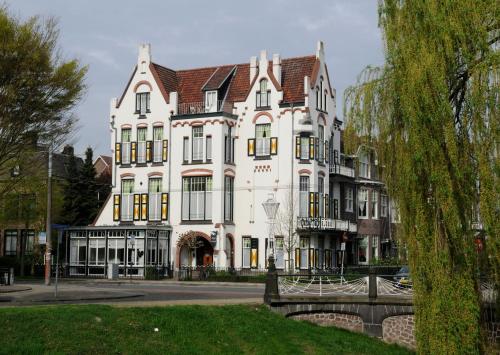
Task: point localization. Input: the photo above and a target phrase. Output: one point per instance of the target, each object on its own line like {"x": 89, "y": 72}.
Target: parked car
{"x": 403, "y": 277}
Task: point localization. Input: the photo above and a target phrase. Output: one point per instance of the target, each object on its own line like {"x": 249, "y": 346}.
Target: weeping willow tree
{"x": 432, "y": 112}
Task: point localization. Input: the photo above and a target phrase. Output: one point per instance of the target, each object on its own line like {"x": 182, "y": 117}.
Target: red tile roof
{"x": 190, "y": 83}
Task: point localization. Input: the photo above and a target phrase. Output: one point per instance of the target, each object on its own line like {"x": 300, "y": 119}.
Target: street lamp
{"x": 271, "y": 207}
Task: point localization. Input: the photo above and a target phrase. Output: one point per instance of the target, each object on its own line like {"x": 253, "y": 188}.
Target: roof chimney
{"x": 320, "y": 51}
{"x": 253, "y": 67}
{"x": 263, "y": 63}
{"x": 277, "y": 67}
{"x": 144, "y": 56}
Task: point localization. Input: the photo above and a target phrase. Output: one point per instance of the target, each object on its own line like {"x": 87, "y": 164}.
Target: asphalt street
{"x": 133, "y": 293}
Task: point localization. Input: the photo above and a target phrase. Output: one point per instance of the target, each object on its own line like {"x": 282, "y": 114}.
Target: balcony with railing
{"x": 326, "y": 224}
{"x": 193, "y": 108}
{"x": 342, "y": 170}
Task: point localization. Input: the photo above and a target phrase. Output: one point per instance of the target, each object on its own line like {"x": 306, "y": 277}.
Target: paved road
{"x": 136, "y": 293}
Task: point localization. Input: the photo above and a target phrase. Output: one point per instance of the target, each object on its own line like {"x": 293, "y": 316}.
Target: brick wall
{"x": 399, "y": 330}
{"x": 340, "y": 320}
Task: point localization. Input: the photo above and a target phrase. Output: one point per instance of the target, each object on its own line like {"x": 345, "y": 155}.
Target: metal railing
{"x": 321, "y": 223}
{"x": 212, "y": 273}
{"x": 189, "y": 108}
{"x": 341, "y": 170}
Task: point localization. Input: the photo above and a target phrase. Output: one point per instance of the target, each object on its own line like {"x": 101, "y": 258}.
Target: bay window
{"x": 197, "y": 198}
{"x": 363, "y": 203}
{"x": 263, "y": 139}
{"x": 141, "y": 145}
{"x": 197, "y": 143}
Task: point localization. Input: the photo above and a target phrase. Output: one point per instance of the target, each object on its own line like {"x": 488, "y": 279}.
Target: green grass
{"x": 95, "y": 329}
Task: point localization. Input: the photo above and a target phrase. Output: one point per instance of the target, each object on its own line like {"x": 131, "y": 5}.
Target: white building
{"x": 195, "y": 154}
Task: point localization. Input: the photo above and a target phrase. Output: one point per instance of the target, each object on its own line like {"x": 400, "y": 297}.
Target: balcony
{"x": 341, "y": 170}
{"x": 326, "y": 224}
{"x": 193, "y": 108}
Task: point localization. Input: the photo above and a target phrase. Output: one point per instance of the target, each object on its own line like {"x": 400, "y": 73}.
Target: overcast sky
{"x": 105, "y": 35}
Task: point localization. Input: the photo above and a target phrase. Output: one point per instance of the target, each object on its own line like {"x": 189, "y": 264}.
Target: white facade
{"x": 222, "y": 139}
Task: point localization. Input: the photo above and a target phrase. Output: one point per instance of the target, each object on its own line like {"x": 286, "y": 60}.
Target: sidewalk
{"x": 14, "y": 288}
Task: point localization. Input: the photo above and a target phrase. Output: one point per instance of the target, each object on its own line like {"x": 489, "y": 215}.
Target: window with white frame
{"x": 229, "y": 147}
{"x": 363, "y": 203}
{"x": 127, "y": 203}
{"x": 116, "y": 250}
{"x": 208, "y": 148}
{"x": 324, "y": 100}
{"x": 125, "y": 142}
{"x": 10, "y": 242}
{"x": 263, "y": 94}
{"x": 349, "y": 199}
{"x": 304, "y": 252}
{"x": 321, "y": 190}
{"x": 155, "y": 190}
{"x": 321, "y": 148}
{"x": 318, "y": 98}
{"x": 263, "y": 139}
{"x": 142, "y": 103}
{"x": 157, "y": 144}
{"x": 211, "y": 101}
{"x": 383, "y": 205}
{"x": 247, "y": 247}
{"x": 228, "y": 198}
{"x": 141, "y": 144}
{"x": 303, "y": 196}
{"x": 78, "y": 251}
{"x": 304, "y": 147}
{"x": 197, "y": 143}
{"x": 374, "y": 200}
{"x": 364, "y": 165}
{"x": 321, "y": 94}
{"x": 197, "y": 198}
{"x": 185, "y": 149}
{"x": 97, "y": 251}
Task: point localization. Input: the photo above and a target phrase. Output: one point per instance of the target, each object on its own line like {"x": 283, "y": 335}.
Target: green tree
{"x": 70, "y": 191}
{"x": 87, "y": 197}
{"x": 432, "y": 113}
{"x": 38, "y": 89}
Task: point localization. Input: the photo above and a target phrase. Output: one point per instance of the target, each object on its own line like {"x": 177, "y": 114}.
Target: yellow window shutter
{"x": 165, "y": 150}
{"x": 274, "y": 145}
{"x": 164, "y": 206}
{"x": 118, "y": 153}
{"x": 251, "y": 147}
{"x": 137, "y": 205}
{"x": 144, "y": 207}
{"x": 116, "y": 207}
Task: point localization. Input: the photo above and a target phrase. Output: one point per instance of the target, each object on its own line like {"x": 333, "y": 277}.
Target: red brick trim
{"x": 158, "y": 124}
{"x": 263, "y": 113}
{"x": 142, "y": 125}
{"x": 305, "y": 171}
{"x": 197, "y": 172}
{"x": 189, "y": 236}
{"x": 155, "y": 173}
{"x": 322, "y": 173}
{"x": 143, "y": 82}
{"x": 273, "y": 78}
{"x": 125, "y": 175}
{"x": 126, "y": 125}
{"x": 229, "y": 172}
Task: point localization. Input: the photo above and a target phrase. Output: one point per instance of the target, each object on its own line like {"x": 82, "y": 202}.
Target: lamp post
{"x": 271, "y": 207}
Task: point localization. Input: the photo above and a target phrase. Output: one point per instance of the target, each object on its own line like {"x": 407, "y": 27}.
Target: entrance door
{"x": 207, "y": 260}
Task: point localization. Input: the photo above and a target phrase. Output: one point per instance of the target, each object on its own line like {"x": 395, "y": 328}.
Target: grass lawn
{"x": 95, "y": 329}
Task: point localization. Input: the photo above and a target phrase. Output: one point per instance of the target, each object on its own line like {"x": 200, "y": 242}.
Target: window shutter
{"x": 311, "y": 205}
{"x": 297, "y": 258}
{"x": 316, "y": 146}
{"x": 297, "y": 147}
{"x": 134, "y": 151}
{"x": 144, "y": 206}
{"x": 118, "y": 153}
{"x": 149, "y": 151}
{"x": 164, "y": 206}
{"x": 316, "y": 204}
{"x": 137, "y": 207}
{"x": 164, "y": 153}
{"x": 311, "y": 148}
{"x": 251, "y": 147}
{"x": 116, "y": 207}
{"x": 327, "y": 151}
{"x": 274, "y": 145}
{"x": 327, "y": 207}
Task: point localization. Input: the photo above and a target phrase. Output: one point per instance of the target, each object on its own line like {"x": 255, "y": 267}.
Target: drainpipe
{"x": 116, "y": 137}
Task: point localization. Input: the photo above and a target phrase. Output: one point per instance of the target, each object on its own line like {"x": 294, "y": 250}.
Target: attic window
{"x": 263, "y": 94}
{"x": 143, "y": 67}
{"x": 211, "y": 101}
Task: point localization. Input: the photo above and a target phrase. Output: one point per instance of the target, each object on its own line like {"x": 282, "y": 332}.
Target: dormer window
{"x": 263, "y": 95}
{"x": 211, "y": 101}
{"x": 142, "y": 103}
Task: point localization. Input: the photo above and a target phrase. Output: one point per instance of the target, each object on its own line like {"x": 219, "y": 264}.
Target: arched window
{"x": 320, "y": 91}
{"x": 317, "y": 97}
{"x": 263, "y": 94}
{"x": 324, "y": 100}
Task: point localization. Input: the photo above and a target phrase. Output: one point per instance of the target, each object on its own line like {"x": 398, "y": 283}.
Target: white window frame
{"x": 246, "y": 246}
{"x": 208, "y": 144}
{"x": 364, "y": 165}
{"x": 197, "y": 143}
{"x": 197, "y": 198}
{"x": 262, "y": 144}
{"x": 127, "y": 200}
{"x": 142, "y": 103}
{"x": 185, "y": 149}
{"x": 349, "y": 199}
{"x": 304, "y": 186}
{"x": 363, "y": 200}
{"x": 126, "y": 137}
{"x": 211, "y": 101}
{"x": 157, "y": 144}
{"x": 374, "y": 205}
{"x": 154, "y": 212}
{"x": 141, "y": 145}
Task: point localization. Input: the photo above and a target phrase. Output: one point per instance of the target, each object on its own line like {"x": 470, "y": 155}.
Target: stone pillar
{"x": 372, "y": 284}
{"x": 271, "y": 291}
